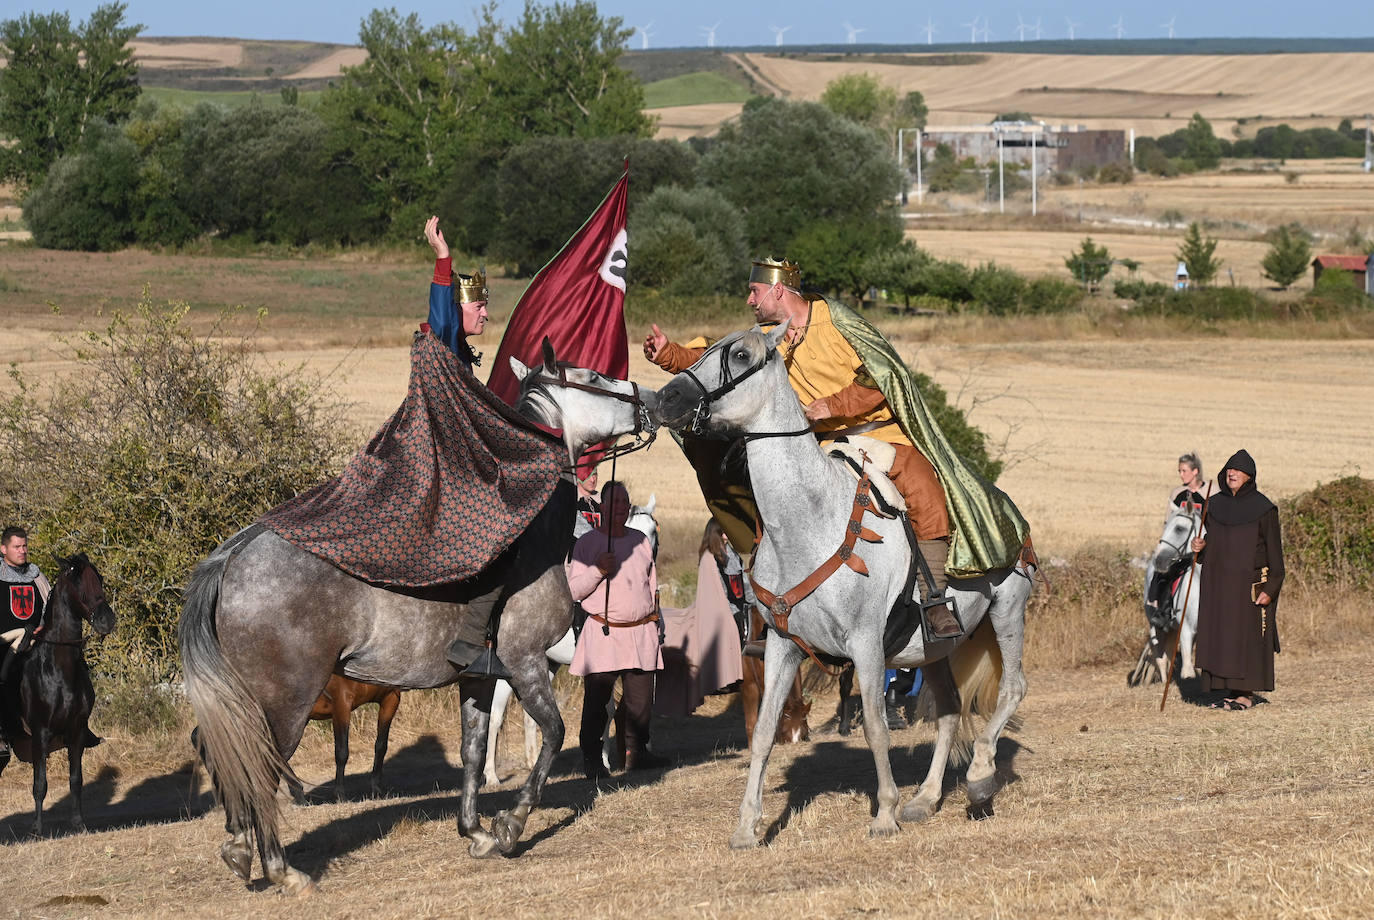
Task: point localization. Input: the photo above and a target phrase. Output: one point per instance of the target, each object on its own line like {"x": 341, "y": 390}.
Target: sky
{"x": 670, "y": 23}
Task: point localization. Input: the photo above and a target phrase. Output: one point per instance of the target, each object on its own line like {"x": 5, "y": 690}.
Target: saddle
{"x": 858, "y": 454}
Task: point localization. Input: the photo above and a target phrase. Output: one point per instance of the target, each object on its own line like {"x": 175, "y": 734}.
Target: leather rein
{"x": 641, "y": 440}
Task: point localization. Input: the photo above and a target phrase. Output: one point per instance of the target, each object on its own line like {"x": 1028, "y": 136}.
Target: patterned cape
{"x": 451, "y": 479}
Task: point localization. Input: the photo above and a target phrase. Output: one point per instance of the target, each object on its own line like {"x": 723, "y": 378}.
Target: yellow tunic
{"x": 822, "y": 364}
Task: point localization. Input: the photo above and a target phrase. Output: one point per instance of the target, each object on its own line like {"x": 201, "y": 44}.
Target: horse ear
{"x": 653, "y": 503}
{"x": 550, "y": 365}
{"x": 780, "y": 330}
{"x": 518, "y": 368}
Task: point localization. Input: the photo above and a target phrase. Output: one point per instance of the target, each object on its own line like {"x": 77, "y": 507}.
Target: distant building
{"x": 1360, "y": 267}
{"x": 1057, "y": 148}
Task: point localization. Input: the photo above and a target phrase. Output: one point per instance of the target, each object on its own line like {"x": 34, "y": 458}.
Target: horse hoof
{"x": 298, "y": 884}
{"x": 239, "y": 858}
{"x": 885, "y": 829}
{"x": 742, "y": 840}
{"x": 982, "y": 790}
{"x": 979, "y": 811}
{"x": 916, "y": 811}
{"x": 483, "y": 846}
{"x": 507, "y": 829}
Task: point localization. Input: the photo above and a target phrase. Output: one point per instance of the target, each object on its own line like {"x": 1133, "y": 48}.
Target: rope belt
{"x": 651, "y": 618}
{"x": 781, "y": 605}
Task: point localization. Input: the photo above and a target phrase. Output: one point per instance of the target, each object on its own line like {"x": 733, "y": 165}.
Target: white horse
{"x": 1172, "y": 558}
{"x": 806, "y": 502}
{"x": 561, "y": 653}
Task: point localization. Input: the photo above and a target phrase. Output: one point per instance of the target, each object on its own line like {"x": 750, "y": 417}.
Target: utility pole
{"x": 1001, "y": 180}
{"x": 1034, "y": 178}
{"x": 1368, "y": 159}
{"x": 920, "y": 189}
{"x": 901, "y": 149}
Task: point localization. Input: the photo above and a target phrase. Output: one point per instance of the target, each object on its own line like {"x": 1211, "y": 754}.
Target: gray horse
{"x": 739, "y": 389}
{"x": 265, "y": 624}
{"x": 1171, "y": 560}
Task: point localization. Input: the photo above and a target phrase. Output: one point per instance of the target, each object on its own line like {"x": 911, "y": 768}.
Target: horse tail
{"x": 977, "y": 667}
{"x": 234, "y": 739}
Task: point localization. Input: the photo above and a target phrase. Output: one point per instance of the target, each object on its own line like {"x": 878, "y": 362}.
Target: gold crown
{"x": 472, "y": 287}
{"x": 770, "y": 271}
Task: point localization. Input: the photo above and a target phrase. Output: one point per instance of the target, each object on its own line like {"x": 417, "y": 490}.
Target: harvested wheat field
{"x": 1108, "y": 809}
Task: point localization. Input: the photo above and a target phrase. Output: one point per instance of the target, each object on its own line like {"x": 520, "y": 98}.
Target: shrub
{"x": 1140, "y": 290}
{"x": 970, "y": 442}
{"x": 687, "y": 242}
{"x": 1198, "y": 253}
{"x": 1120, "y": 173}
{"x": 86, "y": 200}
{"x": 946, "y": 280}
{"x": 997, "y": 290}
{"x": 161, "y": 445}
{"x": 1050, "y": 295}
{"x": 1090, "y": 264}
{"x": 897, "y": 270}
{"x": 1289, "y": 255}
{"x": 1328, "y": 533}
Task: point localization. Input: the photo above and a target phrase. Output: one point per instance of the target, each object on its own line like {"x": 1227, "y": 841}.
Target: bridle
{"x": 702, "y": 413}
{"x": 1180, "y": 549}
{"x": 643, "y": 435}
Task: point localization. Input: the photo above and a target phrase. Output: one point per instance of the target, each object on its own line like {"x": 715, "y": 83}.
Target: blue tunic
{"x": 446, "y": 322}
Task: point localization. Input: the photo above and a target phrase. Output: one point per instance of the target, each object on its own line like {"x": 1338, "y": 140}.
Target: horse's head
{"x": 84, "y": 592}
{"x": 588, "y": 406}
{"x": 642, "y": 519}
{"x": 1175, "y": 542}
{"x": 710, "y": 396}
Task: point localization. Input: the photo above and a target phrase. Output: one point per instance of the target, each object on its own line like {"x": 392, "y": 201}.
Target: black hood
{"x": 1247, "y": 504}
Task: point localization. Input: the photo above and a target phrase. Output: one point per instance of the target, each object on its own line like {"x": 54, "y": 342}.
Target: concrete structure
{"x": 1058, "y": 148}
{"x": 1360, "y": 267}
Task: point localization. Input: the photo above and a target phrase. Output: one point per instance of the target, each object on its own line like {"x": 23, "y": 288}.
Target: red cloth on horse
{"x": 451, "y": 479}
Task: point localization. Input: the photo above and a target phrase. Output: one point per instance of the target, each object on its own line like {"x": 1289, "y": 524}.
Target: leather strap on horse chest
{"x": 781, "y": 605}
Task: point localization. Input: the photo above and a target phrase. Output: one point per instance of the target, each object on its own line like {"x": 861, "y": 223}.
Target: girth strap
{"x": 781, "y": 605}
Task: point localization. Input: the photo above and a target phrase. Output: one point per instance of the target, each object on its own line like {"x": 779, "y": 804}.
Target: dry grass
{"x": 1110, "y": 809}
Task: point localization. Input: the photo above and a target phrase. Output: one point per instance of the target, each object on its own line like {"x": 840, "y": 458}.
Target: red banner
{"x": 577, "y": 300}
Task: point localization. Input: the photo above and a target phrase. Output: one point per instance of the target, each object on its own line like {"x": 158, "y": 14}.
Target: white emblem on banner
{"x": 613, "y": 266}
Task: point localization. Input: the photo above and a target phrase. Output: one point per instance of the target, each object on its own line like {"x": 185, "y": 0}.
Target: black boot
{"x": 470, "y": 652}
{"x": 940, "y": 621}
{"x": 892, "y": 703}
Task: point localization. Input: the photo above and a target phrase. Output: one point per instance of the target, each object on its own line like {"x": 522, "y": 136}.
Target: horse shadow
{"x": 422, "y": 770}
{"x": 835, "y": 766}
{"x": 174, "y": 796}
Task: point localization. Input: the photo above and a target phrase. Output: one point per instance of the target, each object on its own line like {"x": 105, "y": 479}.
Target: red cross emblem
{"x": 21, "y": 601}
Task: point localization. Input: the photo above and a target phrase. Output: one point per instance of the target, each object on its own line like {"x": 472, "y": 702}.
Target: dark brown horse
{"x": 792, "y": 725}
{"x": 54, "y": 690}
{"x": 341, "y": 696}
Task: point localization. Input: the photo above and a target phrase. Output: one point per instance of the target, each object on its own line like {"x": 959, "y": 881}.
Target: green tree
{"x": 557, "y": 72}
{"x": 787, "y": 164}
{"x": 687, "y": 241}
{"x": 58, "y": 81}
{"x": 1200, "y": 144}
{"x": 86, "y": 199}
{"x": 897, "y": 270}
{"x": 1090, "y": 263}
{"x": 912, "y": 111}
{"x": 861, "y": 98}
{"x": 1198, "y": 254}
{"x": 833, "y": 253}
{"x": 1288, "y": 257}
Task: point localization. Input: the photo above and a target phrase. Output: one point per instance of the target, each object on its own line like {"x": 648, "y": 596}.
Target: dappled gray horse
{"x": 265, "y": 624}
{"x": 805, "y": 500}
{"x": 1172, "y": 605}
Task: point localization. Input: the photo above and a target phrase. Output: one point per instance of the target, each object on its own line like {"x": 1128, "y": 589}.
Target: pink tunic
{"x": 702, "y": 645}
{"x": 632, "y": 597}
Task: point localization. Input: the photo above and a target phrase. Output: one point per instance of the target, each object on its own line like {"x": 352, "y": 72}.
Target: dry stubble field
{"x": 1110, "y": 809}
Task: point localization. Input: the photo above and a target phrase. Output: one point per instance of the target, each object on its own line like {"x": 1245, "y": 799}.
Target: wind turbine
{"x": 1170, "y": 25}
{"x": 1119, "y": 28}
{"x": 710, "y": 34}
{"x": 930, "y": 31}
{"x": 1072, "y": 25}
{"x": 986, "y": 31}
{"x": 644, "y": 34}
{"x": 777, "y": 32}
{"x": 1021, "y": 28}
{"x": 853, "y": 33}
{"x": 972, "y": 30}
{"x": 1036, "y": 27}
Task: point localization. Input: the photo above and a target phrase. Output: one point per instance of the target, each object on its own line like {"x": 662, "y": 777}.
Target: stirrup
{"x": 487, "y": 667}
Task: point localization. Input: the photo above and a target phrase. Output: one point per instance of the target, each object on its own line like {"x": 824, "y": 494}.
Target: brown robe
{"x": 1236, "y": 643}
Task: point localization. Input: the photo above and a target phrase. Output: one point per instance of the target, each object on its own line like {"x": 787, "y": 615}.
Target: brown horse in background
{"x": 341, "y": 696}
{"x": 792, "y": 726}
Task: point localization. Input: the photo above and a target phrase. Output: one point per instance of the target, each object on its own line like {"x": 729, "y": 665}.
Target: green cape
{"x": 987, "y": 530}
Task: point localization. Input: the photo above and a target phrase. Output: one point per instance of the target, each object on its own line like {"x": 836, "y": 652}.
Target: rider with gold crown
{"x": 851, "y": 381}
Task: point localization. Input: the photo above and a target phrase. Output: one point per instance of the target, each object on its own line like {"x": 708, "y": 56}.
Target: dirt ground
{"x": 1109, "y": 808}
